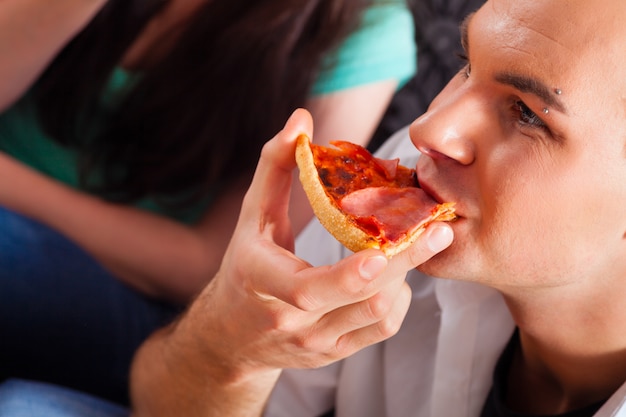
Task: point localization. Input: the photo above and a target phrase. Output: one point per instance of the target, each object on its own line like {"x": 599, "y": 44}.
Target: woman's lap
{"x": 20, "y": 398}
{"x": 63, "y": 318}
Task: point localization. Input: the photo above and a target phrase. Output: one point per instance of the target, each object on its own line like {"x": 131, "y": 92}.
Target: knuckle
{"x": 416, "y": 254}
{"x": 389, "y": 327}
{"x": 392, "y": 322}
{"x": 308, "y": 343}
{"x": 300, "y": 342}
{"x": 347, "y": 282}
{"x": 378, "y": 306}
{"x": 392, "y": 311}
{"x": 303, "y": 300}
{"x": 267, "y": 149}
{"x": 406, "y": 293}
{"x": 283, "y": 322}
{"x": 343, "y": 348}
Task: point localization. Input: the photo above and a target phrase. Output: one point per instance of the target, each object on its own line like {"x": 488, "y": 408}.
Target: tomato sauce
{"x": 349, "y": 167}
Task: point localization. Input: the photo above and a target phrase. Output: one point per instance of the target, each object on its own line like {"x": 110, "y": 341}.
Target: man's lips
{"x": 434, "y": 195}
{"x": 430, "y": 192}
{"x": 426, "y": 171}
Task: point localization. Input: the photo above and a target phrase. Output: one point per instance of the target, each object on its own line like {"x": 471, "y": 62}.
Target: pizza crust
{"x": 324, "y": 207}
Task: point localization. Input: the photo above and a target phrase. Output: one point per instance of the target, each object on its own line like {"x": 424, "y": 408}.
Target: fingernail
{"x": 440, "y": 237}
{"x": 372, "y": 267}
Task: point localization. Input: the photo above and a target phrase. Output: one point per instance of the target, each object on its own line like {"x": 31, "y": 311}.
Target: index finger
{"x": 323, "y": 288}
{"x": 354, "y": 278}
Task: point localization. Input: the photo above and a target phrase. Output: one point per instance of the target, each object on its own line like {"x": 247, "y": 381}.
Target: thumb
{"x": 268, "y": 195}
{"x": 437, "y": 237}
{"x": 281, "y": 149}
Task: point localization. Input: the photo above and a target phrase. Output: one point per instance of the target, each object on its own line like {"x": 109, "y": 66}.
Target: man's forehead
{"x": 559, "y": 35}
{"x": 575, "y": 23}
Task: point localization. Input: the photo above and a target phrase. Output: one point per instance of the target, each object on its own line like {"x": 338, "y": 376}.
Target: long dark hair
{"x": 199, "y": 116}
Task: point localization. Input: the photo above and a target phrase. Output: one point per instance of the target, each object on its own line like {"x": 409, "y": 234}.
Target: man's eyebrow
{"x": 531, "y": 85}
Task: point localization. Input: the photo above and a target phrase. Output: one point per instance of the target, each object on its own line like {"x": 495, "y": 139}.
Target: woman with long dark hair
{"x": 128, "y": 135}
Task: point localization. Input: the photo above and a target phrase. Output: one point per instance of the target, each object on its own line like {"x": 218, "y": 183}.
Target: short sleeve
{"x": 382, "y": 48}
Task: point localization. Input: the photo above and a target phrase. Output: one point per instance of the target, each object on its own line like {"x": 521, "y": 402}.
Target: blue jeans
{"x": 63, "y": 318}
{"x": 20, "y": 398}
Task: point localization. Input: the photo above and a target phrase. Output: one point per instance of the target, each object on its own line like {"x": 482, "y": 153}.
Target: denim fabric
{"x": 19, "y": 398}
{"x": 63, "y": 318}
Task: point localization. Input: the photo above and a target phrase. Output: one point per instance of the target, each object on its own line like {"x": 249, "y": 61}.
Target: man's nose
{"x": 451, "y": 127}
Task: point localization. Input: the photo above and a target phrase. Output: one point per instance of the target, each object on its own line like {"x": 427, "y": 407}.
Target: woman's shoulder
{"x": 382, "y": 47}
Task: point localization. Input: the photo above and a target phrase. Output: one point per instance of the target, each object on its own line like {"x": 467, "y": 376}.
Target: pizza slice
{"x": 363, "y": 201}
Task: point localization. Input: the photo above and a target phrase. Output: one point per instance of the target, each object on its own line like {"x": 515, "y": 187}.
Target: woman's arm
{"x": 32, "y": 32}
{"x": 352, "y": 114}
{"x": 158, "y": 256}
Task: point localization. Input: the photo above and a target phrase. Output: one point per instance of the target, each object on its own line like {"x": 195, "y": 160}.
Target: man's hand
{"x": 266, "y": 309}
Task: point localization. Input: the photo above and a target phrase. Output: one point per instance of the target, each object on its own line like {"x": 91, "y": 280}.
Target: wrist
{"x": 176, "y": 372}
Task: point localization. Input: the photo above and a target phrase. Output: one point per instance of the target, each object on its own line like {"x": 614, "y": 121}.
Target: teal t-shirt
{"x": 382, "y": 48}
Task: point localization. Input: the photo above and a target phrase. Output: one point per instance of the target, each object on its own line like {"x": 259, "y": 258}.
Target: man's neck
{"x": 572, "y": 349}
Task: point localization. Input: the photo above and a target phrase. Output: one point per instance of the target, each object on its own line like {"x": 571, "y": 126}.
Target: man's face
{"x": 530, "y": 141}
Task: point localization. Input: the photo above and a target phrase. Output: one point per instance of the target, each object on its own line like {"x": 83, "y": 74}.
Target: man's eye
{"x": 526, "y": 116}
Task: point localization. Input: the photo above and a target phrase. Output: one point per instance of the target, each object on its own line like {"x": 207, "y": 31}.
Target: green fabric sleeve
{"x": 382, "y": 48}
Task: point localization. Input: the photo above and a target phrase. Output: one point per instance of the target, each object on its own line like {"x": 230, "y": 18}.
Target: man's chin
{"x": 444, "y": 265}
{"x": 435, "y": 266}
